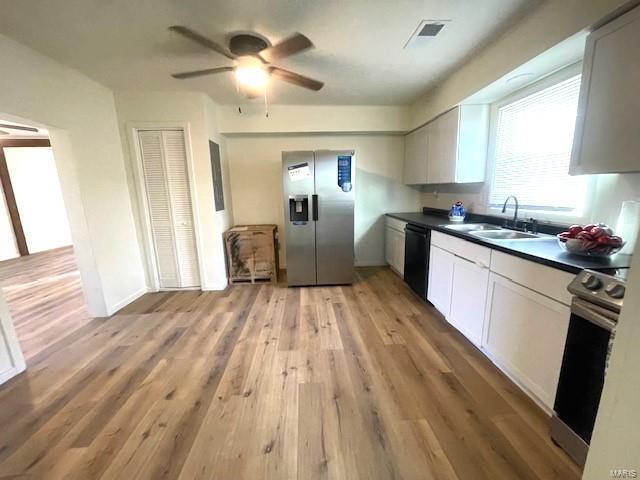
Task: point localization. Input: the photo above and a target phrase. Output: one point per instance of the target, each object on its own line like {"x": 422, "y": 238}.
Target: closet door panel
{"x": 182, "y": 209}
{"x": 158, "y": 201}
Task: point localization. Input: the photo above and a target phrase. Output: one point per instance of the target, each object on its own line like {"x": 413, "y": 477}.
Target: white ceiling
{"x": 359, "y": 53}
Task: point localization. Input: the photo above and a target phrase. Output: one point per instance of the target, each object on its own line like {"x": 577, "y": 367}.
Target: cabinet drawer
{"x": 540, "y": 278}
{"x": 462, "y": 248}
{"x": 395, "y": 223}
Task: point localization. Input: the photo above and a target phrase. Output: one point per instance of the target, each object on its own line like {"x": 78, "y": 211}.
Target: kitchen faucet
{"x": 515, "y": 214}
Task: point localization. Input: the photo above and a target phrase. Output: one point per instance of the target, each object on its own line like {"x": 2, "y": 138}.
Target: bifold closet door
{"x": 166, "y": 180}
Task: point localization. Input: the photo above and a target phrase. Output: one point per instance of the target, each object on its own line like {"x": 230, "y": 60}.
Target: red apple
{"x": 588, "y": 228}
{"x": 574, "y": 230}
{"x": 564, "y": 236}
{"x": 599, "y": 232}
{"x": 606, "y": 228}
{"x": 615, "y": 241}
{"x": 585, "y": 236}
{"x": 604, "y": 240}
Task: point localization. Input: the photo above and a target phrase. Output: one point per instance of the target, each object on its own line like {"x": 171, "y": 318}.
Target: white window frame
{"x": 556, "y": 217}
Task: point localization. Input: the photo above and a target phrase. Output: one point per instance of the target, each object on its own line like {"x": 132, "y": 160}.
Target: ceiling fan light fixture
{"x": 252, "y": 76}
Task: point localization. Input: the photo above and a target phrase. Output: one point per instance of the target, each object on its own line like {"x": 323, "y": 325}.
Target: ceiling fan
{"x": 253, "y": 59}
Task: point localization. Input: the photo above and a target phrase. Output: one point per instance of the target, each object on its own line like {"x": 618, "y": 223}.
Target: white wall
{"x": 36, "y": 186}
{"x": 549, "y": 24}
{"x": 314, "y": 119}
{"x": 8, "y": 247}
{"x": 256, "y": 182}
{"x": 616, "y": 439}
{"x": 199, "y": 112}
{"x": 224, "y": 219}
{"x": 80, "y": 116}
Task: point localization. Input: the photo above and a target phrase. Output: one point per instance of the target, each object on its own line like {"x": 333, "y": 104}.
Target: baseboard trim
{"x": 370, "y": 263}
{"x": 215, "y": 286}
{"x": 126, "y": 301}
{"x": 12, "y": 372}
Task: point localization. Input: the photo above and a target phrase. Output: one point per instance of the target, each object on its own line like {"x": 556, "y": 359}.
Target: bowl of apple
{"x": 593, "y": 240}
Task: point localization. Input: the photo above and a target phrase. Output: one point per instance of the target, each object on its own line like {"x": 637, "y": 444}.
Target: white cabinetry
{"x": 468, "y": 298}
{"x": 394, "y": 244}
{"x": 458, "y": 276}
{"x": 524, "y": 334}
{"x": 606, "y": 137}
{"x": 440, "y": 279}
{"x": 415, "y": 157}
{"x": 457, "y": 147}
{"x": 516, "y": 311}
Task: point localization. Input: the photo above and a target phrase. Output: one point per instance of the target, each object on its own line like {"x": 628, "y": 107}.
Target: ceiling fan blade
{"x": 202, "y": 40}
{"x": 296, "y": 43}
{"x": 2, "y": 132}
{"x": 200, "y": 73}
{"x": 295, "y": 78}
{"x": 18, "y": 127}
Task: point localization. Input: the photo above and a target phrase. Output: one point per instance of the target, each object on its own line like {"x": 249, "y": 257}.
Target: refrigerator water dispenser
{"x": 299, "y": 209}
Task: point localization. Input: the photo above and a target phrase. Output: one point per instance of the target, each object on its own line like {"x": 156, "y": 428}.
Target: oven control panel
{"x": 599, "y": 288}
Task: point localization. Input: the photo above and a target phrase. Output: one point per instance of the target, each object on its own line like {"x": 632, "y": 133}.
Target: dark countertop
{"x": 544, "y": 250}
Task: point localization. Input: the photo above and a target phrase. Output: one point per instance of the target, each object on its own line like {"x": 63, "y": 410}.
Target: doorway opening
{"x": 38, "y": 272}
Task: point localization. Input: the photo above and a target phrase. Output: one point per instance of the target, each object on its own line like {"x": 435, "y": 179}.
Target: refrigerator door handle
{"x": 314, "y": 199}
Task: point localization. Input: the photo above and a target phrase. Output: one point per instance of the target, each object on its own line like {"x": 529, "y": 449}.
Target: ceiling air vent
{"x": 426, "y": 31}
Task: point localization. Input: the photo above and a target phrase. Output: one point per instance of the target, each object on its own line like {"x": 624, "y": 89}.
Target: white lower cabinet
{"x": 524, "y": 334}
{"x": 394, "y": 244}
{"x": 468, "y": 298}
{"x": 458, "y": 276}
{"x": 440, "y": 279}
{"x": 520, "y": 324}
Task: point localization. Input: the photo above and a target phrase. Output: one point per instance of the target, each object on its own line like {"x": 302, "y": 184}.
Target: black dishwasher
{"x": 416, "y": 258}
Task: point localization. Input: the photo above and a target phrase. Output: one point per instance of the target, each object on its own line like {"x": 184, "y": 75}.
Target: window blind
{"x": 532, "y": 151}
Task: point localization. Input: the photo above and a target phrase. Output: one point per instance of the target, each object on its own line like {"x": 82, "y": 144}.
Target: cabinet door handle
{"x": 479, "y": 263}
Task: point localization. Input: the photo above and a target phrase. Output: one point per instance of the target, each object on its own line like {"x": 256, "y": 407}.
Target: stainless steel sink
{"x": 469, "y": 227}
{"x": 503, "y": 234}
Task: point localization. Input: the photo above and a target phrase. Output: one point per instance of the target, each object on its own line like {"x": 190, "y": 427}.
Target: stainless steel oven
{"x": 595, "y": 308}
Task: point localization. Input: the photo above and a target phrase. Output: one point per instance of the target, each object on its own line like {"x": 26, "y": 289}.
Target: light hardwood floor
{"x": 45, "y": 298}
{"x": 264, "y": 382}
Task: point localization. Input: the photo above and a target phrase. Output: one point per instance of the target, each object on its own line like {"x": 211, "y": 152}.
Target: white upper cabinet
{"x": 415, "y": 157}
{"x": 457, "y": 147}
{"x": 607, "y": 138}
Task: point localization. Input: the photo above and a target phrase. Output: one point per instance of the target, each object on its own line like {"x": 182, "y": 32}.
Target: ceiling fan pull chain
{"x": 266, "y": 103}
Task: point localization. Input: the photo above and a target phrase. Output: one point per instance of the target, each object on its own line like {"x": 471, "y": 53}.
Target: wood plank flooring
{"x": 265, "y": 382}
{"x": 44, "y": 295}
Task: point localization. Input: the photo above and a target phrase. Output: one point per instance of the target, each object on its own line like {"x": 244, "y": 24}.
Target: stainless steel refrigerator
{"x": 319, "y": 197}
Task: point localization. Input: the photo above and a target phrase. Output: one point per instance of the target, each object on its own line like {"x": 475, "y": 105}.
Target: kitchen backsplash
{"x": 604, "y": 204}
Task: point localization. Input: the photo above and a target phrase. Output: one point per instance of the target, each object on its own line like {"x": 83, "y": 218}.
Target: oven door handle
{"x": 585, "y": 310}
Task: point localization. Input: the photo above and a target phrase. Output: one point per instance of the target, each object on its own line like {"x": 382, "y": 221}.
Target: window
{"x": 532, "y": 149}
